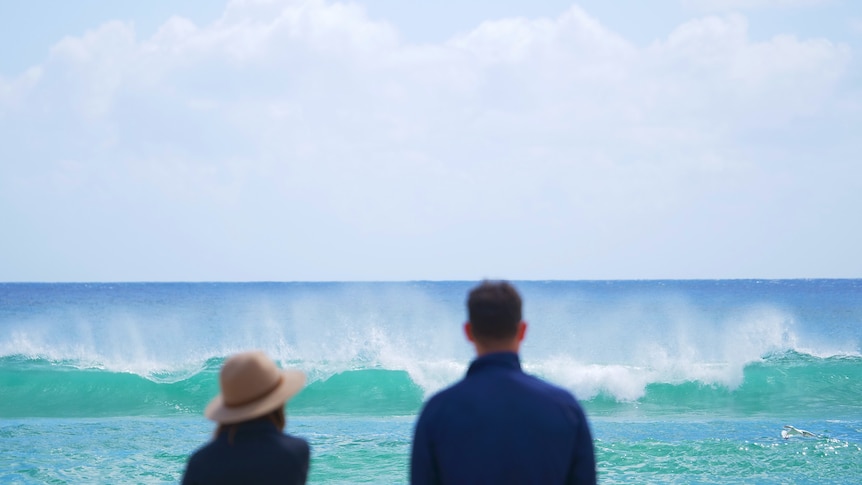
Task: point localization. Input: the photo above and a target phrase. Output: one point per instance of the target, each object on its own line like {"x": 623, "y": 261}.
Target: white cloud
{"x": 768, "y": 82}
{"x": 13, "y": 90}
{"x": 719, "y": 5}
{"x": 318, "y": 136}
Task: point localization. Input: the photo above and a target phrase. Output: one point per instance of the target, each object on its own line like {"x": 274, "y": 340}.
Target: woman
{"x": 250, "y": 445}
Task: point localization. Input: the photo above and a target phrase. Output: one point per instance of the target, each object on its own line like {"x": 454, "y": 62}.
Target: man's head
{"x": 494, "y": 311}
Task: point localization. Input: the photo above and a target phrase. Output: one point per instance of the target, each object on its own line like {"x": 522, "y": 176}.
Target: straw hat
{"x": 252, "y": 386}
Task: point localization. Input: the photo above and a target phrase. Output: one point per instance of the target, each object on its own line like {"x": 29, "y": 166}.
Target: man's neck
{"x": 484, "y": 346}
{"x": 484, "y": 349}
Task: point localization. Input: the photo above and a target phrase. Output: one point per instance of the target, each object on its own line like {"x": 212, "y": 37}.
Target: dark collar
{"x": 258, "y": 425}
{"x": 506, "y": 360}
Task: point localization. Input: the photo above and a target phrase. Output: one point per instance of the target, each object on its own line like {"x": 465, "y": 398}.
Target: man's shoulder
{"x": 526, "y": 384}
{"x": 441, "y": 396}
{"x": 444, "y": 399}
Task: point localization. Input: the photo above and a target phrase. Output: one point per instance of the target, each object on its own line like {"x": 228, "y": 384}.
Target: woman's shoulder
{"x": 293, "y": 440}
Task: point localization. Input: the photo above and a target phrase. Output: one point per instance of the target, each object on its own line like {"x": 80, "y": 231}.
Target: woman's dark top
{"x": 252, "y": 452}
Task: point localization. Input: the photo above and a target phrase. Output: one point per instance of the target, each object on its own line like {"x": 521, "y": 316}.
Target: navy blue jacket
{"x": 498, "y": 426}
{"x": 256, "y": 453}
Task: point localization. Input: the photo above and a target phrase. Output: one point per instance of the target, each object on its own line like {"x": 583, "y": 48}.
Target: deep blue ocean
{"x": 683, "y": 381}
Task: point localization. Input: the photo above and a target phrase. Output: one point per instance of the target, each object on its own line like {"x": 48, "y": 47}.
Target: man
{"x": 499, "y": 425}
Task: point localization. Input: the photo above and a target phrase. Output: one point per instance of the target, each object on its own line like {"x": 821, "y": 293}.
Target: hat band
{"x": 257, "y": 397}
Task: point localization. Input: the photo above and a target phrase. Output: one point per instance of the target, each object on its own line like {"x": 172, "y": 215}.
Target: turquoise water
{"x": 684, "y": 381}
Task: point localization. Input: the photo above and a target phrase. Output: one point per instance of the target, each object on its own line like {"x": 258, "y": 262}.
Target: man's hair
{"x": 494, "y": 309}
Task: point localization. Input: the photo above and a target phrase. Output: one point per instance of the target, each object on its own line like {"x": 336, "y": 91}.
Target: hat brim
{"x": 292, "y": 381}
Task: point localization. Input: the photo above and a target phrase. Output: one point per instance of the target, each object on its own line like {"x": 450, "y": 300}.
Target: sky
{"x": 319, "y": 140}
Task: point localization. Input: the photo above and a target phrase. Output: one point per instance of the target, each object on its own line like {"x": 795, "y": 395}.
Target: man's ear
{"x": 522, "y": 330}
{"x": 468, "y": 331}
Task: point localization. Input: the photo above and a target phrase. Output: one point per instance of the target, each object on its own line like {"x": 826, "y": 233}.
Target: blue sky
{"x": 387, "y": 140}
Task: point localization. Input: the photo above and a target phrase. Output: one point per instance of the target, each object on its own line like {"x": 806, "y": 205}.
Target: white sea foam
{"x": 686, "y": 346}
{"x": 589, "y": 347}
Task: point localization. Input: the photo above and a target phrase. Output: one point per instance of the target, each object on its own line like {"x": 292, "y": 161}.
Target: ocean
{"x": 683, "y": 381}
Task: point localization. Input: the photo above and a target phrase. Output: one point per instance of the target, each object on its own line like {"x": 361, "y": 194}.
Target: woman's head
{"x": 252, "y": 386}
